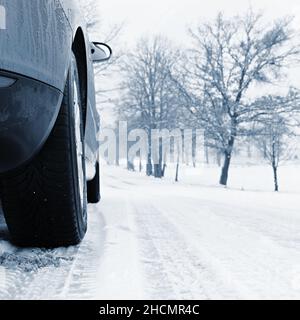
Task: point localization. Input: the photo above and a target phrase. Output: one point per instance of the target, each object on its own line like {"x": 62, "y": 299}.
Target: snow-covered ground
{"x": 162, "y": 240}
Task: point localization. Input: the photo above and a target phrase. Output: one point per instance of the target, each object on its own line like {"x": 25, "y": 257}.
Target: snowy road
{"x": 160, "y": 240}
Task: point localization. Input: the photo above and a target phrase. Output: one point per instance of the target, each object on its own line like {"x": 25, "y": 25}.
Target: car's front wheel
{"x": 45, "y": 202}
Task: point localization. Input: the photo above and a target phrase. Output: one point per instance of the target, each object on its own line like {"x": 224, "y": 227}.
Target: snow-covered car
{"x": 49, "y": 124}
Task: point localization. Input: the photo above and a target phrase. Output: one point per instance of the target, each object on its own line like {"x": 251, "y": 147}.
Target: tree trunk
{"x": 249, "y": 153}
{"x": 177, "y": 173}
{"x": 158, "y": 170}
{"x": 219, "y": 155}
{"x": 225, "y": 169}
{"x": 149, "y": 167}
{"x": 164, "y": 169}
{"x": 207, "y": 154}
{"x": 194, "y": 150}
{"x": 265, "y": 150}
{"x": 276, "y": 184}
{"x": 130, "y": 165}
{"x": 140, "y": 165}
{"x": 275, "y": 165}
{"x": 118, "y": 153}
{"x": 228, "y": 153}
{"x": 227, "y": 161}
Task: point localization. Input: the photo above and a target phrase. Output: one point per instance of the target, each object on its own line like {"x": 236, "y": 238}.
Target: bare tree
{"x": 275, "y": 130}
{"x": 230, "y": 55}
{"x": 149, "y": 101}
{"x": 91, "y": 14}
{"x": 95, "y": 23}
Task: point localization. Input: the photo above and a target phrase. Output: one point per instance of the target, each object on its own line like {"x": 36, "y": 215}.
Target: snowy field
{"x": 164, "y": 240}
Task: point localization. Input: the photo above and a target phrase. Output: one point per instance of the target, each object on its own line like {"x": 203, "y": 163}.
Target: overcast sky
{"x": 172, "y": 17}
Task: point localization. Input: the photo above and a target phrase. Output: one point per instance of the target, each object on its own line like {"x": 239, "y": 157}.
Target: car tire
{"x": 93, "y": 187}
{"x": 45, "y": 202}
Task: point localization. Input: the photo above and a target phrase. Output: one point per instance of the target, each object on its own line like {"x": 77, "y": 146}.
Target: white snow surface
{"x": 157, "y": 239}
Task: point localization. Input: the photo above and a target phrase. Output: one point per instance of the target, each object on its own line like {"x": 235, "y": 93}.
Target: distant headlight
{"x": 6, "y": 82}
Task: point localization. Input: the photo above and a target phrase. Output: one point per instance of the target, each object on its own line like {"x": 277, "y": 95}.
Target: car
{"x": 49, "y": 124}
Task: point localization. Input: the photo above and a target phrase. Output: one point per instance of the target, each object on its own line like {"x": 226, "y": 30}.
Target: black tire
{"x": 93, "y": 187}
{"x": 44, "y": 203}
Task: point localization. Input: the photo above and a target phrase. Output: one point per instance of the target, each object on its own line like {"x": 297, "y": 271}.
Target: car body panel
{"x": 24, "y": 125}
{"x": 92, "y": 117}
{"x": 76, "y": 21}
{"x": 37, "y": 45}
{"x": 31, "y": 44}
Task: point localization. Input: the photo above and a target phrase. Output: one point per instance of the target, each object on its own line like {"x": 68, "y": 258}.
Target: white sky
{"x": 171, "y": 17}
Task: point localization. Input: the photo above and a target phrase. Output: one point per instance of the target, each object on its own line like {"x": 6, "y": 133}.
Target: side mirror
{"x": 101, "y": 52}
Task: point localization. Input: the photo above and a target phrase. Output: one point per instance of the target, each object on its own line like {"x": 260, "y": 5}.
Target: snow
{"x": 157, "y": 239}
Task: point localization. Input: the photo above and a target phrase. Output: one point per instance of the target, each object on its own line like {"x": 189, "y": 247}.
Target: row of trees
{"x": 211, "y": 86}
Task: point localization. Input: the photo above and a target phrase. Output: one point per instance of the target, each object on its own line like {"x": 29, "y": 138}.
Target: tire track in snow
{"x": 81, "y": 283}
{"x": 247, "y": 255}
{"x": 172, "y": 270}
{"x": 52, "y": 274}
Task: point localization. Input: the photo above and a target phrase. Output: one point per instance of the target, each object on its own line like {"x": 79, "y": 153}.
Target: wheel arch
{"x": 80, "y": 51}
